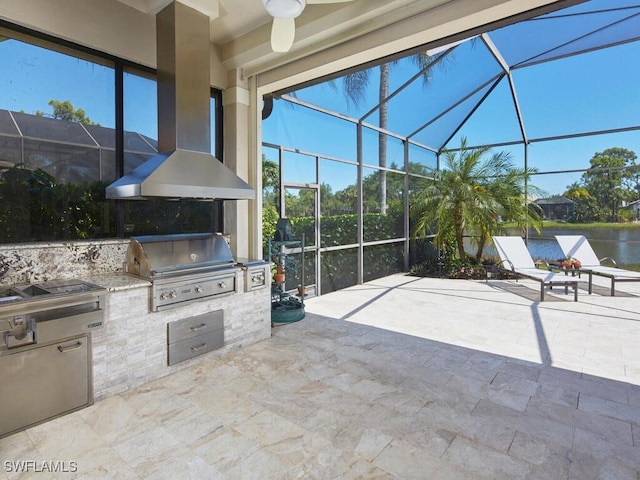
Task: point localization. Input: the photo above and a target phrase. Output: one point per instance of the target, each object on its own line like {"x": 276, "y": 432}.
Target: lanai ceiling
{"x": 230, "y": 19}
{"x": 328, "y": 37}
{"x": 240, "y": 29}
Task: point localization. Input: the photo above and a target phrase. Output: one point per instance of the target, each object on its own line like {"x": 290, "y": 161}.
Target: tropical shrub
{"x": 473, "y": 196}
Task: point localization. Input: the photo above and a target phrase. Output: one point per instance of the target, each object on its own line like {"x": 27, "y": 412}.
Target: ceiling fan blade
{"x": 283, "y": 31}
{"x": 317, "y": 2}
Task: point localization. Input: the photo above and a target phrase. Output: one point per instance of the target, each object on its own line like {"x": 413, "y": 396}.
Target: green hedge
{"x": 339, "y": 268}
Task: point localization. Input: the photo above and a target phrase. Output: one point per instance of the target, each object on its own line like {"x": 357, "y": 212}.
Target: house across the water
{"x": 556, "y": 208}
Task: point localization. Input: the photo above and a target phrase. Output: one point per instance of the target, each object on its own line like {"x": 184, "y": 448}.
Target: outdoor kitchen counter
{"x": 115, "y": 282}
{"x": 132, "y": 347}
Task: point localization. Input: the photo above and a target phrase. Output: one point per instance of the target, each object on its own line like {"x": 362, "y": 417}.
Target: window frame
{"x": 120, "y": 67}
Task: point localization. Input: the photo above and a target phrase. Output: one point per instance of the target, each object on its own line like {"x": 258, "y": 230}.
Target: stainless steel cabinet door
{"x": 43, "y": 382}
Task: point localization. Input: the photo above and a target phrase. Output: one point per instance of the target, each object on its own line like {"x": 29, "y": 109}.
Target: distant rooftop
{"x": 554, "y": 201}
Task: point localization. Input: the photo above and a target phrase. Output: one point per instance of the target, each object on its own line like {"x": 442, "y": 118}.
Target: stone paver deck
{"x": 400, "y": 378}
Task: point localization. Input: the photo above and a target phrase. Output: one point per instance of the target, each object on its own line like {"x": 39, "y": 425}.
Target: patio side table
{"x": 579, "y": 271}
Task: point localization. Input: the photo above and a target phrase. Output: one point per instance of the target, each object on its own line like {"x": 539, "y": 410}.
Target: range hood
{"x": 184, "y": 168}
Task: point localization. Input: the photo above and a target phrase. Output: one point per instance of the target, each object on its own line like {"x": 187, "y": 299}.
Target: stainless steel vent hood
{"x": 184, "y": 168}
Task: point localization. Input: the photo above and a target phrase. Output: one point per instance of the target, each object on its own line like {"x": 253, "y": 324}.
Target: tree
{"x": 605, "y": 181}
{"x": 471, "y": 195}
{"x": 585, "y": 204}
{"x": 329, "y": 204}
{"x": 347, "y": 199}
{"x": 631, "y": 181}
{"x": 63, "y": 110}
{"x": 269, "y": 222}
{"x": 299, "y": 203}
{"x": 355, "y": 85}
{"x": 270, "y": 199}
{"x": 270, "y": 173}
{"x": 270, "y": 181}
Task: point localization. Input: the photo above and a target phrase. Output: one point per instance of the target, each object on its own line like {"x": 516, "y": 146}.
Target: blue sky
{"x": 38, "y": 75}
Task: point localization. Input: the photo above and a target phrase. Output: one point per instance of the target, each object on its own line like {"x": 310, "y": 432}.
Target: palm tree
{"x": 355, "y": 86}
{"x": 471, "y": 195}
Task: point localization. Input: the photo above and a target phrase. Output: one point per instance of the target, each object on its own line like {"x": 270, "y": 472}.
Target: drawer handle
{"x": 66, "y": 349}
{"x": 198, "y": 327}
{"x": 199, "y": 347}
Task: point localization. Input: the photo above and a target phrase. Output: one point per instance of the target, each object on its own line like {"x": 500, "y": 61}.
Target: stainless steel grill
{"x": 183, "y": 268}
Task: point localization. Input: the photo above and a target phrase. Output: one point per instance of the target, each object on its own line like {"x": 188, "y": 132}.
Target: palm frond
{"x": 355, "y": 86}
{"x": 471, "y": 195}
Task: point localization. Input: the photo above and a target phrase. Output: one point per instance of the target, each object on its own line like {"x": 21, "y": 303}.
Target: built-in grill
{"x": 183, "y": 268}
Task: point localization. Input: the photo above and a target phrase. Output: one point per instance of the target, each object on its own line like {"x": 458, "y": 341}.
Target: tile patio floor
{"x": 400, "y": 378}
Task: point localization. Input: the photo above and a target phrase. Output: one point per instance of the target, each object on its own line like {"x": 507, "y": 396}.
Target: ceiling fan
{"x": 284, "y": 13}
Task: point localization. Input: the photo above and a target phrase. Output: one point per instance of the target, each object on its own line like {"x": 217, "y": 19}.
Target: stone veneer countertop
{"x": 117, "y": 281}
{"x": 42, "y": 261}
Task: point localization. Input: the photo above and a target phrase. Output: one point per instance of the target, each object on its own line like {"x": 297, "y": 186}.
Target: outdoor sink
{"x": 31, "y": 291}
{"x": 59, "y": 287}
{"x": 10, "y": 299}
{"x": 44, "y": 290}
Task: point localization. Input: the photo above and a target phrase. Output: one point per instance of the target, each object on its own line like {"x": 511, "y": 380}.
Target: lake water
{"x": 623, "y": 245}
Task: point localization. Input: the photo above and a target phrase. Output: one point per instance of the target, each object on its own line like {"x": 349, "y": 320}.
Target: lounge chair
{"x": 578, "y": 247}
{"x": 515, "y": 258}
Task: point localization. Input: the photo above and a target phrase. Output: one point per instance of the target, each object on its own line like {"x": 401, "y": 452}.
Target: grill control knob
{"x": 173, "y": 294}
{"x": 221, "y": 284}
{"x": 198, "y": 289}
{"x": 164, "y": 296}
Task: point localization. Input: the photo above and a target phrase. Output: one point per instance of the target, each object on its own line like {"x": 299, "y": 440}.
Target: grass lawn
{"x": 589, "y": 226}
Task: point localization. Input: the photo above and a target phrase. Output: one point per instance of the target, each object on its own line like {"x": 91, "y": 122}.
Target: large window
{"x": 58, "y": 148}
{"x": 57, "y": 132}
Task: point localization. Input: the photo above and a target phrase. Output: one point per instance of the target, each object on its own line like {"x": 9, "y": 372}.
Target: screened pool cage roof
{"x": 527, "y": 82}
{"x": 74, "y": 152}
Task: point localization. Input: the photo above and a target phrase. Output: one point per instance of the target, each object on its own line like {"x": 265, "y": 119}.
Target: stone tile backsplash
{"x": 37, "y": 262}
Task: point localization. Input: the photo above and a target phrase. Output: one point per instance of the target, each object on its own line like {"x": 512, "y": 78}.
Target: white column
{"x": 240, "y": 131}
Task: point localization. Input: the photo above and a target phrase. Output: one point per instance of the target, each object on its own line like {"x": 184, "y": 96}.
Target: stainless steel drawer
{"x": 198, "y": 345}
{"x": 192, "y": 326}
{"x": 193, "y": 336}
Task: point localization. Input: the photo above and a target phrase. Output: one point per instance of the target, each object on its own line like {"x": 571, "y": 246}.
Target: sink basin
{"x": 44, "y": 290}
{"x": 31, "y": 291}
{"x": 10, "y": 299}
{"x": 67, "y": 287}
